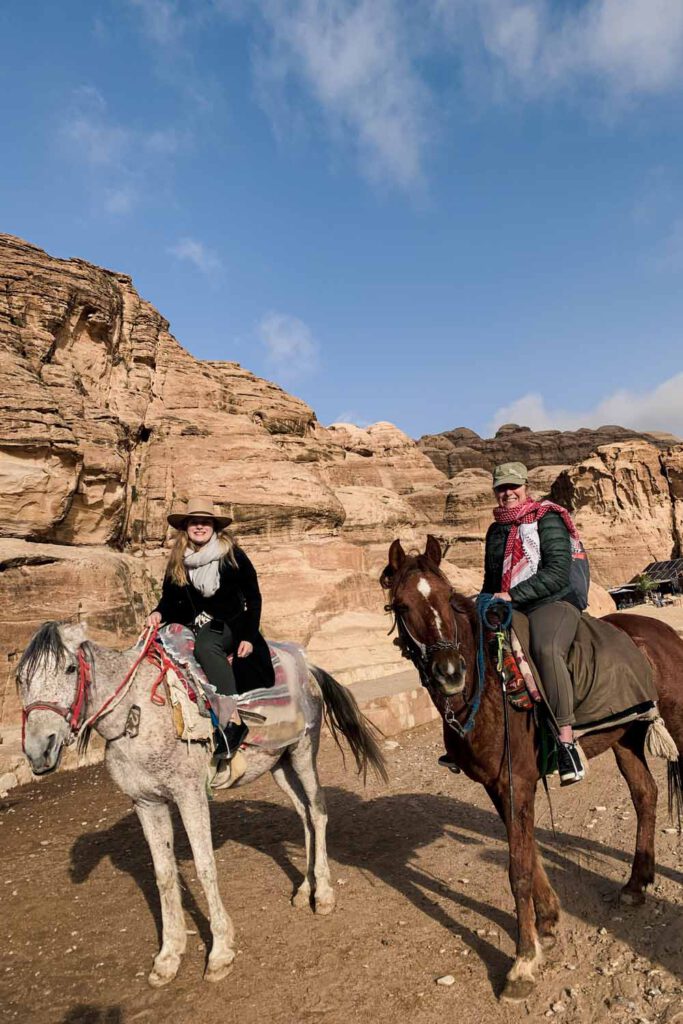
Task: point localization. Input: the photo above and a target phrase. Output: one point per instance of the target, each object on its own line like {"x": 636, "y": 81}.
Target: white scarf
{"x": 204, "y": 566}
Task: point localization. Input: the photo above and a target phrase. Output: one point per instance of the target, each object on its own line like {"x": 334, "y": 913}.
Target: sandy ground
{"x": 420, "y": 871}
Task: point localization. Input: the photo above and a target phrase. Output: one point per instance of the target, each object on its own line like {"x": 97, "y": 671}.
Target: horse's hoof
{"x": 324, "y": 904}
{"x": 158, "y": 980}
{"x": 217, "y": 972}
{"x": 164, "y": 969}
{"x": 631, "y": 899}
{"x": 548, "y": 941}
{"x": 301, "y": 899}
{"x": 518, "y": 990}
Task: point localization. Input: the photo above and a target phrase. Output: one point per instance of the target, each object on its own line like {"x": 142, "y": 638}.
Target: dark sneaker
{"x": 446, "y": 762}
{"x": 569, "y": 764}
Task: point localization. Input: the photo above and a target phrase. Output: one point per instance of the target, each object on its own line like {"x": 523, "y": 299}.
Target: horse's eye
{"x": 70, "y": 669}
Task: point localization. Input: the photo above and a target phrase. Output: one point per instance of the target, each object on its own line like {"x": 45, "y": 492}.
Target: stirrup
{"x": 229, "y": 771}
{"x": 446, "y": 762}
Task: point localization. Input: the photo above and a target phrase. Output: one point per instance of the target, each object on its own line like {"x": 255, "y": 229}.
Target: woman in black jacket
{"x": 211, "y": 586}
{"x": 527, "y": 562}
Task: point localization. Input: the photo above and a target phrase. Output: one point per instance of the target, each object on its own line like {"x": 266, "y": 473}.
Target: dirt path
{"x": 420, "y": 870}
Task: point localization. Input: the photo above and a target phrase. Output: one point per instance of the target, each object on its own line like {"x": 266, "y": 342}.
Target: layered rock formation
{"x": 627, "y": 501}
{"x": 455, "y": 450}
{"x": 625, "y": 489}
{"x": 100, "y": 434}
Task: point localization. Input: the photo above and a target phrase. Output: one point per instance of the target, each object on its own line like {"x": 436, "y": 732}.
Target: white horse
{"x": 66, "y": 683}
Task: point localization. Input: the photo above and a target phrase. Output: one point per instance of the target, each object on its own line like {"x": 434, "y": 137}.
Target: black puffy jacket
{"x": 550, "y": 582}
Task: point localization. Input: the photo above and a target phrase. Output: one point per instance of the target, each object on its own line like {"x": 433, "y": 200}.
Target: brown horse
{"x": 438, "y": 630}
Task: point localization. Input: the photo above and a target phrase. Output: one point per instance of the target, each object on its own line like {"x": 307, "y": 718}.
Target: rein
{"x": 420, "y": 655}
{"x": 74, "y": 715}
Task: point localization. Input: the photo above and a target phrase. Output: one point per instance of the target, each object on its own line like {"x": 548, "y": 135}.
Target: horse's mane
{"x": 45, "y": 643}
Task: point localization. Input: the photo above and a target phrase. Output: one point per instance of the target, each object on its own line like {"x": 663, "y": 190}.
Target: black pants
{"x": 211, "y": 648}
{"x": 553, "y": 629}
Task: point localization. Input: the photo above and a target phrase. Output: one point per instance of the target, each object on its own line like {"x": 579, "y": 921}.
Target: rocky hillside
{"x": 106, "y": 421}
{"x": 459, "y": 449}
{"x": 624, "y": 488}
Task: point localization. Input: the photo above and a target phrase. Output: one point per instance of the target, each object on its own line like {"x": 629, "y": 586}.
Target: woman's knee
{"x": 206, "y": 644}
{"x": 542, "y": 646}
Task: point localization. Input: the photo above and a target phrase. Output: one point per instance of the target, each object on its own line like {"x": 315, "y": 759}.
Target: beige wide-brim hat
{"x": 198, "y": 507}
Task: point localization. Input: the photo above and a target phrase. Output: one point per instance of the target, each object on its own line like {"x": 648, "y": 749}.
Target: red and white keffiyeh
{"x": 523, "y": 548}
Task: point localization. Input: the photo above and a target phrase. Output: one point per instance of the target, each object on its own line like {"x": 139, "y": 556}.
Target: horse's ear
{"x": 73, "y": 635}
{"x": 433, "y": 550}
{"x": 397, "y": 555}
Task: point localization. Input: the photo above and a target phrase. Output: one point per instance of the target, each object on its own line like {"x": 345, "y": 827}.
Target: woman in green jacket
{"x": 527, "y": 562}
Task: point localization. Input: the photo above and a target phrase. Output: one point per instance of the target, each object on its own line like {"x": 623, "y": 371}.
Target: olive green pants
{"x": 552, "y": 632}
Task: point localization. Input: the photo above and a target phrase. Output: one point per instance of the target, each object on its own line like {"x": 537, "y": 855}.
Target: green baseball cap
{"x": 510, "y": 473}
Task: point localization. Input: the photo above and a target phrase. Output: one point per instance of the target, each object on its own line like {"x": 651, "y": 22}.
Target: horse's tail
{"x": 675, "y": 786}
{"x": 344, "y": 717}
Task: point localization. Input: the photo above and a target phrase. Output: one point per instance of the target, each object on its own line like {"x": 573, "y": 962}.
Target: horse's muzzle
{"x": 449, "y": 672}
{"x": 46, "y": 760}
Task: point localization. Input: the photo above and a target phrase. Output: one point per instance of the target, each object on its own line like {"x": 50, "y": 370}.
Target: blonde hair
{"x": 175, "y": 569}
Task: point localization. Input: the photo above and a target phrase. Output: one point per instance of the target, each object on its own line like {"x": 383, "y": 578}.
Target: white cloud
{"x": 192, "y": 251}
{"x": 353, "y": 417}
{"x": 658, "y": 409}
{"x": 291, "y": 349}
{"x": 120, "y": 199}
{"x": 87, "y": 126}
{"x": 625, "y": 48}
{"x": 121, "y": 162}
{"x": 354, "y": 59}
{"x": 354, "y": 70}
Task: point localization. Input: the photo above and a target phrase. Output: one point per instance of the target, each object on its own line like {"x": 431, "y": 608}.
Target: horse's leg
{"x": 520, "y": 980}
{"x": 546, "y": 904}
{"x": 289, "y": 783}
{"x": 157, "y": 826}
{"x": 194, "y": 810}
{"x": 302, "y": 758}
{"x": 630, "y": 756}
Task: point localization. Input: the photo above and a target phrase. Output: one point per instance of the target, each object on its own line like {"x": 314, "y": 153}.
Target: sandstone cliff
{"x": 99, "y": 435}
{"x": 455, "y": 450}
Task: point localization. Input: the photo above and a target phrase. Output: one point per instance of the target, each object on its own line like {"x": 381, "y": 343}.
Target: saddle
{"x": 612, "y": 679}
{"x": 277, "y": 716}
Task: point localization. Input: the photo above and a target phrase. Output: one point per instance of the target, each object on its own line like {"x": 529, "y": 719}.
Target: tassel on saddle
{"x": 509, "y": 672}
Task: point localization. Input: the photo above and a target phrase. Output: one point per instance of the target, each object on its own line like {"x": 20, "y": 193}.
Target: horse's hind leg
{"x": 289, "y": 783}
{"x": 630, "y": 756}
{"x": 302, "y": 758}
{"x": 194, "y": 810}
{"x": 155, "y": 819}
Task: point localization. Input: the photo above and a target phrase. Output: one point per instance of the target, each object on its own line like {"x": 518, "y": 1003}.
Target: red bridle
{"x": 75, "y": 712}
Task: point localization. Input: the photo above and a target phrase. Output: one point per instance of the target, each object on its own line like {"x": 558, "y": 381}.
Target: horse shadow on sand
{"x": 382, "y": 838}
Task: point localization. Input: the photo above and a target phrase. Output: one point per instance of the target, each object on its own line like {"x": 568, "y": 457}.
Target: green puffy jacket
{"x": 550, "y": 582}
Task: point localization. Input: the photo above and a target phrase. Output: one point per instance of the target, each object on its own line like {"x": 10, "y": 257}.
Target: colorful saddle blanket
{"x": 277, "y": 716}
{"x": 613, "y": 682}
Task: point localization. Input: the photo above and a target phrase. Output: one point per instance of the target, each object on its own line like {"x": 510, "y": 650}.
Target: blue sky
{"x": 436, "y": 212}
